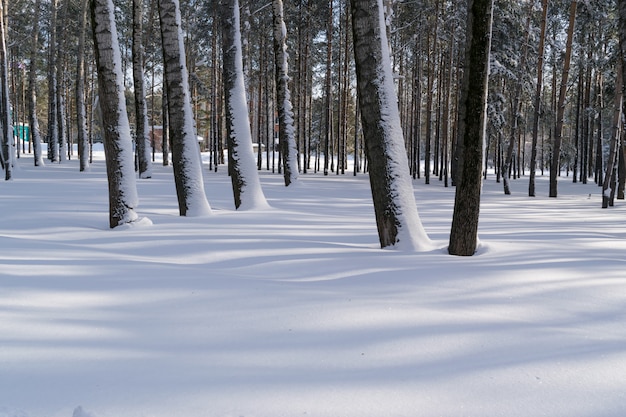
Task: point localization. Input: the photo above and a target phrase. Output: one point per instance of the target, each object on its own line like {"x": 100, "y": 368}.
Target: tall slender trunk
{"x": 142, "y": 137}
{"x": 390, "y": 180}
{"x": 328, "y": 123}
{"x": 246, "y": 186}
{"x": 611, "y": 164}
{"x": 81, "y": 118}
{"x": 464, "y": 230}
{"x": 5, "y": 106}
{"x": 53, "y": 126}
{"x": 186, "y": 158}
{"x": 558, "y": 131}
{"x": 516, "y": 109}
{"x": 35, "y": 134}
{"x": 537, "y": 109}
{"x": 286, "y": 133}
{"x": 117, "y": 137}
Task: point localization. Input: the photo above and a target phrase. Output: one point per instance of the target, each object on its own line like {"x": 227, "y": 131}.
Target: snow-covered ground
{"x": 295, "y": 311}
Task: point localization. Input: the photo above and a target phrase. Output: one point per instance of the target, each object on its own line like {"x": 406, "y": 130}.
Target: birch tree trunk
{"x": 464, "y": 231}
{"x": 81, "y": 119}
{"x": 117, "y": 137}
{"x": 142, "y": 136}
{"x": 186, "y": 158}
{"x": 555, "y": 165}
{"x": 286, "y": 131}
{"x": 243, "y": 171}
{"x": 390, "y": 180}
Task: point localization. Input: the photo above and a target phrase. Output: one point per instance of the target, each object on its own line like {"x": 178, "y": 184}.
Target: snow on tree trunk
{"x": 555, "y": 164}
{"x": 464, "y": 231}
{"x": 81, "y": 118}
{"x": 398, "y": 223}
{"x": 243, "y": 171}
{"x": 117, "y": 137}
{"x": 141, "y": 107}
{"x": 286, "y": 131}
{"x": 537, "y": 100}
{"x": 185, "y": 149}
{"x": 53, "y": 131}
{"x": 5, "y": 106}
{"x": 35, "y": 135}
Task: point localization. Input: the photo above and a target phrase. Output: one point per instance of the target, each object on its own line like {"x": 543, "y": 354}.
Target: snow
{"x": 296, "y": 311}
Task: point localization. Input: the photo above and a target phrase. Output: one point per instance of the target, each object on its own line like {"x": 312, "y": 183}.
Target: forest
{"x": 554, "y": 101}
{"x": 310, "y": 286}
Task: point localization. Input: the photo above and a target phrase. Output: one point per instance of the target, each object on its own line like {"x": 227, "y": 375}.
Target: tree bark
{"x": 142, "y": 134}
{"x": 244, "y": 177}
{"x": 390, "y": 180}
{"x": 117, "y": 137}
{"x": 286, "y": 132}
{"x": 464, "y": 231}
{"x": 81, "y": 118}
{"x": 5, "y": 106}
{"x": 555, "y": 165}
{"x": 536, "y": 111}
{"x": 185, "y": 149}
{"x": 35, "y": 134}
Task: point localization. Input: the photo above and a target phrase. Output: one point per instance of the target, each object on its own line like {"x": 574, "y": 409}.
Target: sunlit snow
{"x": 296, "y": 311}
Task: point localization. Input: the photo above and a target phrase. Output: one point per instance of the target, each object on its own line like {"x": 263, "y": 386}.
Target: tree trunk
{"x": 244, "y": 177}
{"x": 390, "y": 180}
{"x": 537, "y": 109}
{"x": 35, "y": 134}
{"x": 81, "y": 118}
{"x": 53, "y": 130}
{"x": 142, "y": 135}
{"x": 185, "y": 149}
{"x": 117, "y": 137}
{"x": 286, "y": 133}
{"x": 516, "y": 111}
{"x": 555, "y": 165}
{"x": 5, "y": 106}
{"x": 464, "y": 231}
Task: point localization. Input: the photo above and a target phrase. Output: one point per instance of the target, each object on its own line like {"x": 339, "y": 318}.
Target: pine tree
{"x": 244, "y": 177}
{"x": 185, "y": 150}
{"x": 286, "y": 131}
{"x": 464, "y": 231}
{"x": 390, "y": 180}
{"x": 117, "y": 137}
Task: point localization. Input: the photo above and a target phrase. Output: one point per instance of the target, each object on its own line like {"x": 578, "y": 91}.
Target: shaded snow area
{"x": 294, "y": 311}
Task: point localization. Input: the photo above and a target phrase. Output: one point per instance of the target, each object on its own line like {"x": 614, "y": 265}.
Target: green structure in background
{"x": 22, "y": 132}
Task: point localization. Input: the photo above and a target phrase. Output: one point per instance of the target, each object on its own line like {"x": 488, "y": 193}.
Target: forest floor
{"x": 295, "y": 311}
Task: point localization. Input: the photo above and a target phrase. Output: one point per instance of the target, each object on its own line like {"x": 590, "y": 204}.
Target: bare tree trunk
{"x": 390, "y": 180}
{"x": 142, "y": 136}
{"x": 244, "y": 177}
{"x": 5, "y": 106}
{"x": 117, "y": 137}
{"x": 611, "y": 165}
{"x": 558, "y": 132}
{"x": 81, "y": 118}
{"x": 185, "y": 149}
{"x": 540, "y": 53}
{"x": 464, "y": 231}
{"x": 53, "y": 126}
{"x": 517, "y": 109}
{"x": 35, "y": 134}
{"x": 286, "y": 132}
